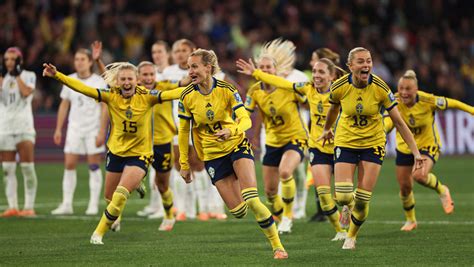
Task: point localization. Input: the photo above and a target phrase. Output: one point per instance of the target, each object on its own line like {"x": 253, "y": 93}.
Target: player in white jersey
{"x": 17, "y": 132}
{"x": 86, "y": 131}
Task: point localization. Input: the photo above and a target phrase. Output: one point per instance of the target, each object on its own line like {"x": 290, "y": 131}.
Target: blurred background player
{"x": 17, "y": 132}
{"x": 360, "y": 138}
{"x": 286, "y": 134}
{"x": 220, "y": 142}
{"x": 86, "y": 133}
{"x": 321, "y": 157}
{"x": 418, "y": 111}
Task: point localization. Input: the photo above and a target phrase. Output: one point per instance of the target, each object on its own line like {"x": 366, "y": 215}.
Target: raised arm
{"x": 96, "y": 47}
{"x": 248, "y": 68}
{"x": 456, "y": 104}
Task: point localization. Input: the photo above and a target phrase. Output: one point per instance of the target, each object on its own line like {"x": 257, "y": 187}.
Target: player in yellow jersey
{"x": 208, "y": 104}
{"x": 321, "y": 157}
{"x": 164, "y": 129}
{"x": 286, "y": 134}
{"x": 131, "y": 139}
{"x": 417, "y": 109}
{"x": 359, "y": 139}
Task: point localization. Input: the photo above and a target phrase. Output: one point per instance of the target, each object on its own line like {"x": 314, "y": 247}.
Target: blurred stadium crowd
{"x": 434, "y": 37}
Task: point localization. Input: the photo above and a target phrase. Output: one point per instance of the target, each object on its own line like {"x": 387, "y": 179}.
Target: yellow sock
{"x": 288, "y": 190}
{"x": 360, "y": 211}
{"x": 113, "y": 210}
{"x": 263, "y": 216}
{"x": 276, "y": 205}
{"x": 408, "y": 203}
{"x": 345, "y": 193}
{"x": 167, "y": 199}
{"x": 433, "y": 183}
{"x": 329, "y": 206}
{"x": 240, "y": 211}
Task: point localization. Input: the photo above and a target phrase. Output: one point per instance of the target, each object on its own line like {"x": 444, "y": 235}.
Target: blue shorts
{"x": 354, "y": 155}
{"x": 222, "y": 167}
{"x": 316, "y": 157}
{"x": 163, "y": 155}
{"x": 403, "y": 159}
{"x": 273, "y": 154}
{"x": 116, "y": 163}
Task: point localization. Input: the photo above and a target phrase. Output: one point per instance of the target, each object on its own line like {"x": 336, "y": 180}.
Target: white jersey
{"x": 174, "y": 73}
{"x": 160, "y": 76}
{"x": 84, "y": 113}
{"x": 16, "y": 115}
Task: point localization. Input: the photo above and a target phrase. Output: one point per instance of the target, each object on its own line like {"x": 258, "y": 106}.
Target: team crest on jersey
{"x": 359, "y": 108}
{"x": 154, "y": 92}
{"x": 320, "y": 107}
{"x": 338, "y": 152}
{"x": 272, "y": 111}
{"x": 129, "y": 113}
{"x": 237, "y": 97}
{"x": 411, "y": 119}
{"x": 211, "y": 172}
{"x": 210, "y": 114}
{"x": 311, "y": 157}
{"x": 440, "y": 102}
{"x": 391, "y": 97}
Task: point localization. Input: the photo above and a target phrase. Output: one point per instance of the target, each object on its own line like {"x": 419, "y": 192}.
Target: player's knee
{"x": 420, "y": 177}
{"x": 94, "y": 167}
{"x": 284, "y": 173}
{"x": 344, "y": 198}
{"x": 405, "y": 189}
{"x": 271, "y": 192}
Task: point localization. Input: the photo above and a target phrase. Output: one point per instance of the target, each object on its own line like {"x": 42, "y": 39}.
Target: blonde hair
{"x": 350, "y": 57}
{"x": 281, "y": 52}
{"x": 144, "y": 64}
{"x": 186, "y": 42}
{"x": 325, "y": 52}
{"x": 208, "y": 58}
{"x": 111, "y": 74}
{"x": 410, "y": 74}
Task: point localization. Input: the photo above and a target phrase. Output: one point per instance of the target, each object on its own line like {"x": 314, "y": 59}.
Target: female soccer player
{"x": 130, "y": 141}
{"x": 360, "y": 136}
{"x": 417, "y": 109}
{"x": 220, "y": 142}
{"x": 17, "y": 132}
{"x": 321, "y": 158}
{"x": 286, "y": 134}
{"x": 87, "y": 127}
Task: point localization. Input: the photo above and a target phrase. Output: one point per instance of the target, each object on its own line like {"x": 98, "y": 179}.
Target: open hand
{"x": 96, "y": 47}
{"x": 223, "y": 134}
{"x": 186, "y": 175}
{"x": 245, "y": 67}
{"x": 327, "y": 136}
{"x": 49, "y": 70}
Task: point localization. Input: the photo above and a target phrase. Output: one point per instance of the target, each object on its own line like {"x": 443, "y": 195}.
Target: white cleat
{"x": 340, "y": 236}
{"x": 92, "y": 210}
{"x": 345, "y": 219}
{"x": 146, "y": 211}
{"x": 62, "y": 210}
{"x": 115, "y": 226}
{"x": 96, "y": 239}
{"x": 409, "y": 226}
{"x": 285, "y": 225}
{"x": 157, "y": 215}
{"x": 167, "y": 225}
{"x": 349, "y": 243}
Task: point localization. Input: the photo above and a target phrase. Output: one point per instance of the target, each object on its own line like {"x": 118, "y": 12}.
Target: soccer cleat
{"x": 96, "y": 239}
{"x": 318, "y": 217}
{"x": 220, "y": 216}
{"x": 167, "y": 225}
{"x": 27, "y": 213}
{"x": 181, "y": 217}
{"x": 447, "y": 201}
{"x": 409, "y": 226}
{"x": 345, "y": 219}
{"x": 299, "y": 214}
{"x": 340, "y": 236}
{"x": 285, "y": 225}
{"x": 147, "y": 211}
{"x": 141, "y": 190}
{"x": 115, "y": 226}
{"x": 349, "y": 243}
{"x": 203, "y": 216}
{"x": 92, "y": 210}
{"x": 10, "y": 213}
{"x": 280, "y": 254}
{"x": 156, "y": 215}
{"x": 63, "y": 210}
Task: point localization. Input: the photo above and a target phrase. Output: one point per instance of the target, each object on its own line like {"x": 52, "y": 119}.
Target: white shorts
{"x": 81, "y": 144}
{"x": 8, "y": 142}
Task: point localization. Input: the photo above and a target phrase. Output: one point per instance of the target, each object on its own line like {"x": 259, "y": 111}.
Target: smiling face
{"x": 361, "y": 66}
{"x": 127, "y": 80}
{"x": 82, "y": 63}
{"x": 407, "y": 89}
{"x": 198, "y": 72}
{"x": 266, "y": 65}
{"x": 147, "y": 76}
{"x": 322, "y": 76}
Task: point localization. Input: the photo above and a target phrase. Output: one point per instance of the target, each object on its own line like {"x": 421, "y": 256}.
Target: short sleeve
{"x": 389, "y": 100}
{"x": 29, "y": 79}
{"x": 183, "y": 111}
{"x": 236, "y": 100}
{"x": 65, "y": 93}
{"x": 250, "y": 102}
{"x": 335, "y": 96}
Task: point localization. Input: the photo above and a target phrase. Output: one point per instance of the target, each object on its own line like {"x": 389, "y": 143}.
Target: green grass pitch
{"x": 439, "y": 240}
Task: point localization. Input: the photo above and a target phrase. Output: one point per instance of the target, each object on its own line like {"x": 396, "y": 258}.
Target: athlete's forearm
{"x": 331, "y": 116}
{"x": 62, "y": 114}
{"x": 25, "y": 90}
{"x": 273, "y": 80}
{"x": 244, "y": 122}
{"x": 100, "y": 65}
{"x": 453, "y": 103}
{"x": 183, "y": 143}
{"x": 171, "y": 94}
{"x": 404, "y": 131}
{"x": 388, "y": 124}
{"x": 76, "y": 85}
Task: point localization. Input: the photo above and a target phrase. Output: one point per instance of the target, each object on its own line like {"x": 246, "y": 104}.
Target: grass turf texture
{"x": 439, "y": 240}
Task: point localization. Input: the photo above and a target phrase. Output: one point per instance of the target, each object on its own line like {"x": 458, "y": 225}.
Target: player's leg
{"x": 95, "y": 183}
{"x": 69, "y": 185}
{"x": 179, "y": 187}
{"x": 270, "y": 185}
{"x": 404, "y": 178}
{"x": 200, "y": 186}
{"x": 162, "y": 179}
{"x": 25, "y": 150}
{"x": 9, "y": 179}
{"x": 289, "y": 161}
{"x": 299, "y": 208}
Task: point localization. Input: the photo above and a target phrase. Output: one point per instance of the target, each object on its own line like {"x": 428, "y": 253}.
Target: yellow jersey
{"x": 280, "y": 112}
{"x": 164, "y": 126}
{"x": 209, "y": 114}
{"x": 318, "y": 105}
{"x": 360, "y": 122}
